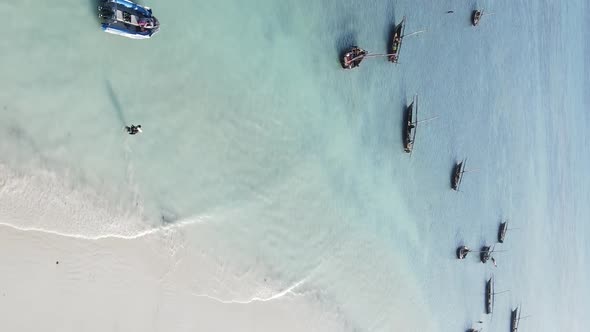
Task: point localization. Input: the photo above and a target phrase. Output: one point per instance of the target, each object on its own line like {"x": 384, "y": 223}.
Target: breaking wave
{"x": 42, "y": 201}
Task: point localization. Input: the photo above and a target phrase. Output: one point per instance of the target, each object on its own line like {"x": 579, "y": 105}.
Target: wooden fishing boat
{"x": 462, "y": 252}
{"x": 396, "y": 40}
{"x": 353, "y": 57}
{"x": 457, "y": 176}
{"x": 514, "y": 319}
{"x": 502, "y": 231}
{"x": 489, "y": 298}
{"x": 476, "y": 17}
{"x": 411, "y": 123}
{"x": 485, "y": 253}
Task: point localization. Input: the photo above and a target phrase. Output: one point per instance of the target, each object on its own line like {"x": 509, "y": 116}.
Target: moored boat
{"x": 476, "y": 16}
{"x": 396, "y": 40}
{"x": 514, "y": 319}
{"x": 502, "y": 231}
{"x": 462, "y": 252}
{"x": 457, "y": 176}
{"x": 411, "y": 122}
{"x": 485, "y": 254}
{"x": 128, "y": 19}
{"x": 489, "y": 298}
{"x": 353, "y": 57}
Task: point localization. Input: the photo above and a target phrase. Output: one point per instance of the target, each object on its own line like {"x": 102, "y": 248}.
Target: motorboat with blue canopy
{"x": 128, "y": 19}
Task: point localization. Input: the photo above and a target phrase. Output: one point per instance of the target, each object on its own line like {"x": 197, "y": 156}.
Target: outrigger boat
{"x": 476, "y": 17}
{"x": 396, "y": 40}
{"x": 458, "y": 172}
{"x": 489, "y": 298}
{"x": 514, "y": 319}
{"x": 462, "y": 252}
{"x": 128, "y": 19}
{"x": 353, "y": 57}
{"x": 502, "y": 231}
{"x": 412, "y": 121}
{"x": 486, "y": 253}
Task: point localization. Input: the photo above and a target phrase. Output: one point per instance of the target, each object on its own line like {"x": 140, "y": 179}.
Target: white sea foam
{"x": 42, "y": 201}
{"x": 289, "y": 291}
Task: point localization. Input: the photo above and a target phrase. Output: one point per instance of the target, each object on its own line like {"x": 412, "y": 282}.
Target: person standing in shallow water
{"x": 133, "y": 129}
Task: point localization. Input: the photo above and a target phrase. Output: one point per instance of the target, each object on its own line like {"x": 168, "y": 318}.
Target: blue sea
{"x": 287, "y": 165}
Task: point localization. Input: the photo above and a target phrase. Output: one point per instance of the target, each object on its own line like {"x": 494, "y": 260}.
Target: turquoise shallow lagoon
{"x": 294, "y": 168}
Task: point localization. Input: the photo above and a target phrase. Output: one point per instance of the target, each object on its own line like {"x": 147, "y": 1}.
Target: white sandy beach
{"x": 134, "y": 285}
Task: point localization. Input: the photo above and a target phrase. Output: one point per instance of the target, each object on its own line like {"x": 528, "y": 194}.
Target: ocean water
{"x": 275, "y": 162}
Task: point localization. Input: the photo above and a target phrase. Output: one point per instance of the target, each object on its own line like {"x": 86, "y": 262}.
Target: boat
{"x": 128, "y": 19}
{"x": 457, "y": 177}
{"x": 412, "y": 121}
{"x": 514, "y": 319}
{"x": 476, "y": 17}
{"x": 485, "y": 254}
{"x": 462, "y": 252}
{"x": 353, "y": 57}
{"x": 489, "y": 298}
{"x": 473, "y": 330}
{"x": 396, "y": 40}
{"x": 490, "y": 294}
{"x": 502, "y": 231}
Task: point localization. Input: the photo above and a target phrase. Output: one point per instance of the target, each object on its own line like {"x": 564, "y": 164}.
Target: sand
{"x": 143, "y": 284}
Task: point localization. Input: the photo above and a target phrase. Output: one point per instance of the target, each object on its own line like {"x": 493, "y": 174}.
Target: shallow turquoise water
{"x": 250, "y": 123}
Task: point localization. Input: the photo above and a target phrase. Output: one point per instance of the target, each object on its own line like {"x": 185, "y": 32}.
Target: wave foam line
{"x": 276, "y": 296}
{"x": 138, "y": 235}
